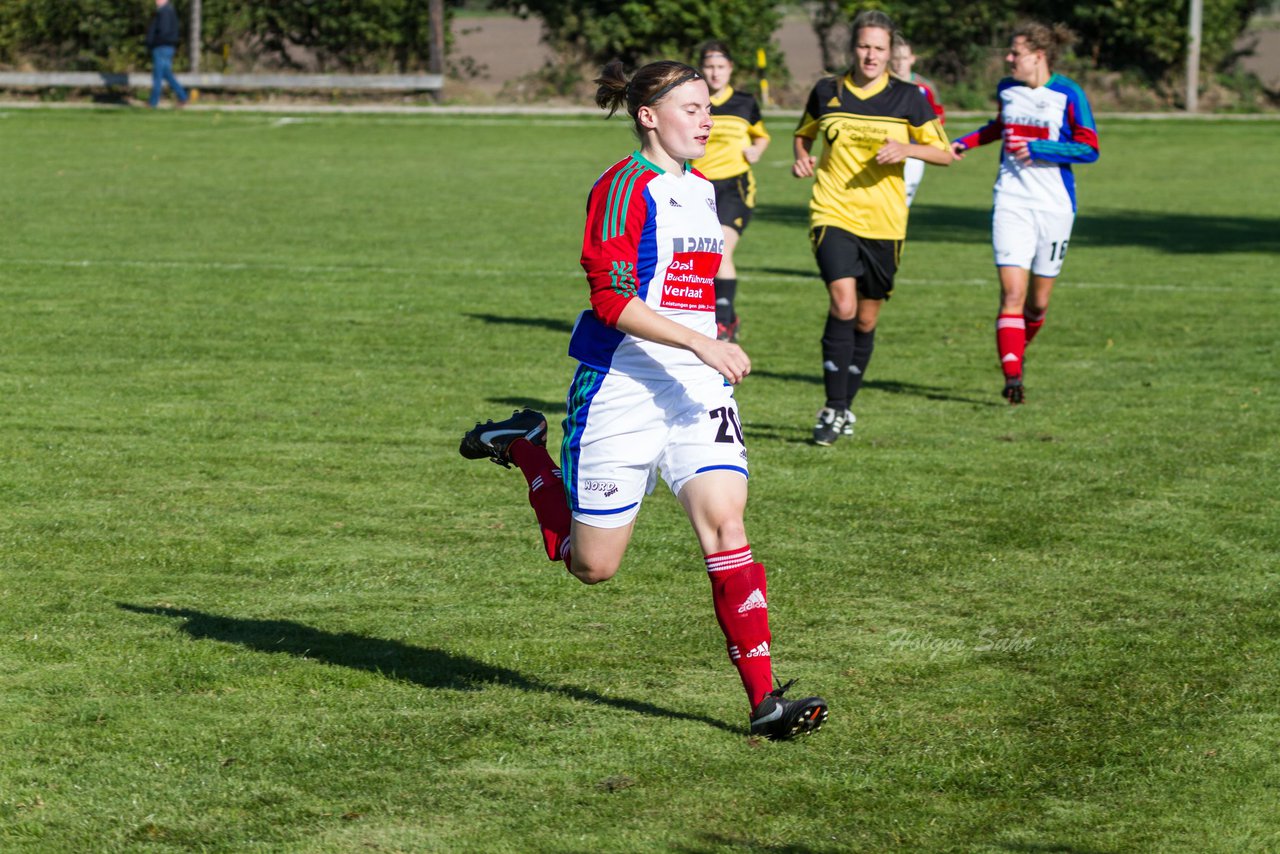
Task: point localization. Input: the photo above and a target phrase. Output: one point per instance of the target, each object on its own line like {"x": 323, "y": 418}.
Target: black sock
{"x": 726, "y": 290}
{"x": 837, "y": 355}
{"x": 863, "y": 344}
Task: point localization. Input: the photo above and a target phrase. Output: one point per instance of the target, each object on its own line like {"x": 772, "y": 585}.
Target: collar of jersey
{"x": 653, "y": 167}
{"x": 725, "y": 95}
{"x": 875, "y": 88}
{"x": 1044, "y": 85}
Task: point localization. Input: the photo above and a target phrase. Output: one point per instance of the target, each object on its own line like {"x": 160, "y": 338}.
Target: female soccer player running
{"x": 653, "y": 392}
{"x": 871, "y": 123}
{"x": 1045, "y": 125}
{"x": 738, "y": 138}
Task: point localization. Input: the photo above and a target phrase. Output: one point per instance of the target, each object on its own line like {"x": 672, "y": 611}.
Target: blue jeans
{"x": 162, "y": 72}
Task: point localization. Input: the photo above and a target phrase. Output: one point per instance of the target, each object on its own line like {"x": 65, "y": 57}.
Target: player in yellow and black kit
{"x": 870, "y": 123}
{"x": 738, "y": 138}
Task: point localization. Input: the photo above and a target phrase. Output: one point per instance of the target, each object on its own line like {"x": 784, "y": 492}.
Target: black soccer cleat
{"x": 493, "y": 439}
{"x": 778, "y": 719}
{"x": 1013, "y": 391}
{"x": 829, "y": 426}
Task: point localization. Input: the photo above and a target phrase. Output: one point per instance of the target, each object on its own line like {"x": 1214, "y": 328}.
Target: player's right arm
{"x": 616, "y": 213}
{"x": 806, "y": 133}
{"x": 992, "y": 131}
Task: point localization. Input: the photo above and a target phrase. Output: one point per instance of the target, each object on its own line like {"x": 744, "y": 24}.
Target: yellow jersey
{"x": 851, "y": 190}
{"x": 737, "y": 125}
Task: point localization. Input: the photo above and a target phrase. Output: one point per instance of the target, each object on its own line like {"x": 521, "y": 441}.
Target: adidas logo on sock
{"x": 755, "y": 600}
{"x": 761, "y": 651}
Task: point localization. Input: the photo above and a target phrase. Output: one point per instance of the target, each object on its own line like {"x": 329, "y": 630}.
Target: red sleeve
{"x": 938, "y": 109}
{"x": 617, "y": 210}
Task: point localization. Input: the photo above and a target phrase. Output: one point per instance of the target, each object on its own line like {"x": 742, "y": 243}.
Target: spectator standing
{"x": 162, "y": 42}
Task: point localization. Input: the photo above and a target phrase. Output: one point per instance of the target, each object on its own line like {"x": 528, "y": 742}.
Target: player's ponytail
{"x": 1053, "y": 40}
{"x": 646, "y": 87}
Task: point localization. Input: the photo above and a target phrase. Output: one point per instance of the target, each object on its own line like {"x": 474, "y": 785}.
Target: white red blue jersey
{"x": 650, "y": 235}
{"x": 1058, "y": 122}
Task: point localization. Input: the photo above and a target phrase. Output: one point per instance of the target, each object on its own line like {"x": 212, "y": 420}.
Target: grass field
{"x": 251, "y": 599}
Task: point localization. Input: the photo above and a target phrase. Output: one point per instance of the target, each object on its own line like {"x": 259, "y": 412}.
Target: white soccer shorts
{"x": 1031, "y": 239}
{"x": 621, "y": 433}
{"x": 912, "y": 173}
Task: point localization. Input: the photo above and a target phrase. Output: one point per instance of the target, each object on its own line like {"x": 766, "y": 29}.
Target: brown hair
{"x": 713, "y": 47}
{"x": 1052, "y": 40}
{"x": 646, "y": 87}
{"x": 873, "y": 19}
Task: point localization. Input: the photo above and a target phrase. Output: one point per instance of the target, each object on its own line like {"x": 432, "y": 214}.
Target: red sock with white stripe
{"x": 1011, "y": 343}
{"x": 741, "y": 601}
{"x": 1033, "y": 325}
{"x": 546, "y": 496}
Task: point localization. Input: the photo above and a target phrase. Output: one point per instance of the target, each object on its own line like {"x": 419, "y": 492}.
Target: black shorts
{"x": 843, "y": 255}
{"x": 735, "y": 198}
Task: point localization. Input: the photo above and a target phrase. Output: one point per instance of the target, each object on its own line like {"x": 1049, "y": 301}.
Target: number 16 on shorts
{"x": 1031, "y": 239}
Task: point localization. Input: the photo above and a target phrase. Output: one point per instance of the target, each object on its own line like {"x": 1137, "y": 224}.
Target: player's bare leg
{"x": 596, "y": 553}
{"x": 1037, "y": 304}
{"x": 715, "y": 502}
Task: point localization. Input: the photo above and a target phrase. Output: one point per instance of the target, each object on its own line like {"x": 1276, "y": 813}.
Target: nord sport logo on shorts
{"x": 604, "y": 487}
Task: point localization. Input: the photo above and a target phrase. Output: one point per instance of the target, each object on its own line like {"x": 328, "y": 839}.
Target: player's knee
{"x": 865, "y": 326}
{"x": 842, "y": 309}
{"x": 593, "y": 571}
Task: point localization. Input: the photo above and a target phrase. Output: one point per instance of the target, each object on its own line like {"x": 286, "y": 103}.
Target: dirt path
{"x": 506, "y": 48}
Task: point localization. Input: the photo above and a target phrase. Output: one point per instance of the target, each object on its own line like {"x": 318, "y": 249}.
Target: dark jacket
{"x": 163, "y": 29}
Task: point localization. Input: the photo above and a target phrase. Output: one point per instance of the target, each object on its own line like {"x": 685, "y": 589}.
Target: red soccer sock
{"x": 740, "y": 597}
{"x": 1033, "y": 326}
{"x": 1011, "y": 343}
{"x": 546, "y": 496}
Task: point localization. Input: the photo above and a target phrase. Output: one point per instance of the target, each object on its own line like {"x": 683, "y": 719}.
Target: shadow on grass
{"x": 929, "y": 392}
{"x": 720, "y": 842}
{"x": 1050, "y": 848}
{"x": 550, "y": 323}
{"x": 429, "y": 668}
{"x": 1175, "y": 233}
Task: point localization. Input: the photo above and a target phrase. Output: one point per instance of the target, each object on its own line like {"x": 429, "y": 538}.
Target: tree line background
{"x": 1145, "y": 39}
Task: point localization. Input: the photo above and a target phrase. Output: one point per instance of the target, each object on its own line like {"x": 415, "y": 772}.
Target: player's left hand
{"x": 751, "y": 154}
{"x": 730, "y": 360}
{"x": 893, "y": 152}
{"x": 1020, "y": 148}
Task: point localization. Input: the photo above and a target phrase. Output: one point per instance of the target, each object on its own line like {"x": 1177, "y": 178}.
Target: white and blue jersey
{"x": 637, "y": 408}
{"x": 654, "y": 236}
{"x": 1057, "y": 124}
